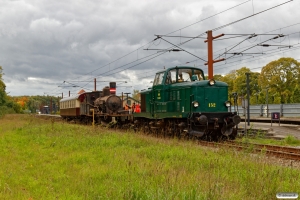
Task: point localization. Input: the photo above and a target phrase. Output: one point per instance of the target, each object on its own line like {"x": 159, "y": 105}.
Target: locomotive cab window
{"x": 199, "y": 75}
{"x": 171, "y": 77}
{"x": 158, "y": 78}
{"x": 184, "y": 75}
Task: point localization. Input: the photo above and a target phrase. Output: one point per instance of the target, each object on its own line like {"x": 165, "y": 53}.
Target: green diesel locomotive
{"x": 182, "y": 103}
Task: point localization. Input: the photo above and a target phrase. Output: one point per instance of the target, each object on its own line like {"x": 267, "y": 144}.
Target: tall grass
{"x": 41, "y": 159}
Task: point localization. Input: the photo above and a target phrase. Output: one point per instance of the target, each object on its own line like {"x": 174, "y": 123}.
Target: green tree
{"x": 296, "y": 95}
{"x": 7, "y": 104}
{"x": 229, "y": 79}
{"x": 281, "y": 77}
{"x": 3, "y": 95}
{"x": 236, "y": 80}
{"x": 1, "y": 73}
{"x": 240, "y": 84}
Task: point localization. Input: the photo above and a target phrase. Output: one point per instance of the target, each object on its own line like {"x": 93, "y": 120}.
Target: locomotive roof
{"x": 180, "y": 67}
{"x": 70, "y": 98}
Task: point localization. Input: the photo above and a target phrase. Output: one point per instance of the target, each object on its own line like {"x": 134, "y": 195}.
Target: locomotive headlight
{"x": 195, "y": 104}
{"x": 211, "y": 82}
{"x": 227, "y": 103}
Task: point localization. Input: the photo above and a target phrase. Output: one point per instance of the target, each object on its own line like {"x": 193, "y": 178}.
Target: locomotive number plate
{"x": 212, "y": 105}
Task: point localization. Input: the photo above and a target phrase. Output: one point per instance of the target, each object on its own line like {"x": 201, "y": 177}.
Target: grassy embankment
{"x": 45, "y": 160}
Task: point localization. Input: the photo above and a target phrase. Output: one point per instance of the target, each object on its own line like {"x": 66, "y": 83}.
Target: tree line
{"x": 277, "y": 83}
{"x": 6, "y": 104}
{"x": 20, "y": 104}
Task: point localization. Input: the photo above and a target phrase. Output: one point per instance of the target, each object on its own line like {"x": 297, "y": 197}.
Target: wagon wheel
{"x": 146, "y": 128}
{"x": 162, "y": 132}
{"x": 156, "y": 131}
{"x": 136, "y": 128}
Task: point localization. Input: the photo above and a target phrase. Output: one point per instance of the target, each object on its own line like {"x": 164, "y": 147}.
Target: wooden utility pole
{"x": 95, "y": 89}
{"x": 210, "y": 60}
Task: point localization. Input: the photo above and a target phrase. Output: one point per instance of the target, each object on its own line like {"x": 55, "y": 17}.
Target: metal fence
{"x": 285, "y": 110}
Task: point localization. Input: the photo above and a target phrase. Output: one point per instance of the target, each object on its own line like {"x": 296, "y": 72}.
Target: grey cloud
{"x": 63, "y": 40}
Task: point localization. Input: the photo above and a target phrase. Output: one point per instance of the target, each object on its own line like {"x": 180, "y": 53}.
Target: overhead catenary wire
{"x": 239, "y": 20}
{"x": 183, "y": 50}
{"x": 261, "y": 57}
{"x": 168, "y": 34}
{"x": 264, "y": 55}
{"x": 182, "y": 43}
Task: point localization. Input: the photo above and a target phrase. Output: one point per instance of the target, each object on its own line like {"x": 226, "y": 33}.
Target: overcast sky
{"x": 44, "y": 43}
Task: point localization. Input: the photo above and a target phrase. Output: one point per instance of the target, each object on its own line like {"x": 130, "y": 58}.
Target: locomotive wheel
{"x": 171, "y": 130}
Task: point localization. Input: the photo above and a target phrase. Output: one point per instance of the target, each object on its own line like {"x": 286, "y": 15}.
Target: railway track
{"x": 290, "y": 153}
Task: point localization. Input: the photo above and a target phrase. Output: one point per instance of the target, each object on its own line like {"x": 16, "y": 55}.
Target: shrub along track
{"x": 283, "y": 152}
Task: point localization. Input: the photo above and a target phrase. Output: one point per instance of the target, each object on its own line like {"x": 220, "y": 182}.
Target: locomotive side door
{"x": 158, "y": 95}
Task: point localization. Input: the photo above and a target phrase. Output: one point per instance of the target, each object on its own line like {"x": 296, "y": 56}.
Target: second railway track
{"x": 291, "y": 153}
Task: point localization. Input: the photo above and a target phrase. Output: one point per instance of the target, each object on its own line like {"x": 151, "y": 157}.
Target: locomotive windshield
{"x": 179, "y": 75}
{"x": 184, "y": 75}
{"x": 199, "y": 75}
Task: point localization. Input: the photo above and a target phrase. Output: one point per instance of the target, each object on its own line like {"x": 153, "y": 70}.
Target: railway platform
{"x": 271, "y": 130}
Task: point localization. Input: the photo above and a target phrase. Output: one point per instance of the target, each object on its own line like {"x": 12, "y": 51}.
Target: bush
{"x": 6, "y": 110}
{"x": 15, "y": 106}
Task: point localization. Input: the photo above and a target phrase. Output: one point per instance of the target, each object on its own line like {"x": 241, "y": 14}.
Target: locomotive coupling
{"x": 229, "y": 123}
{"x": 232, "y": 121}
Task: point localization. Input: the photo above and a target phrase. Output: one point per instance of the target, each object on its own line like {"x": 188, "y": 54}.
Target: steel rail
{"x": 284, "y": 152}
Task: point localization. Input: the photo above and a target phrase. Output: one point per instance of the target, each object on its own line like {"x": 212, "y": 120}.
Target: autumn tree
{"x": 135, "y": 94}
{"x": 281, "y": 77}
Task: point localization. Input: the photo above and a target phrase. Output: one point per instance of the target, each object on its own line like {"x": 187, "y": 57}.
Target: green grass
{"x": 41, "y": 159}
{"x": 290, "y": 140}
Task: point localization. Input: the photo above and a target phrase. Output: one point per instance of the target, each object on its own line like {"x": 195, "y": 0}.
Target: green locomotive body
{"x": 181, "y": 101}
